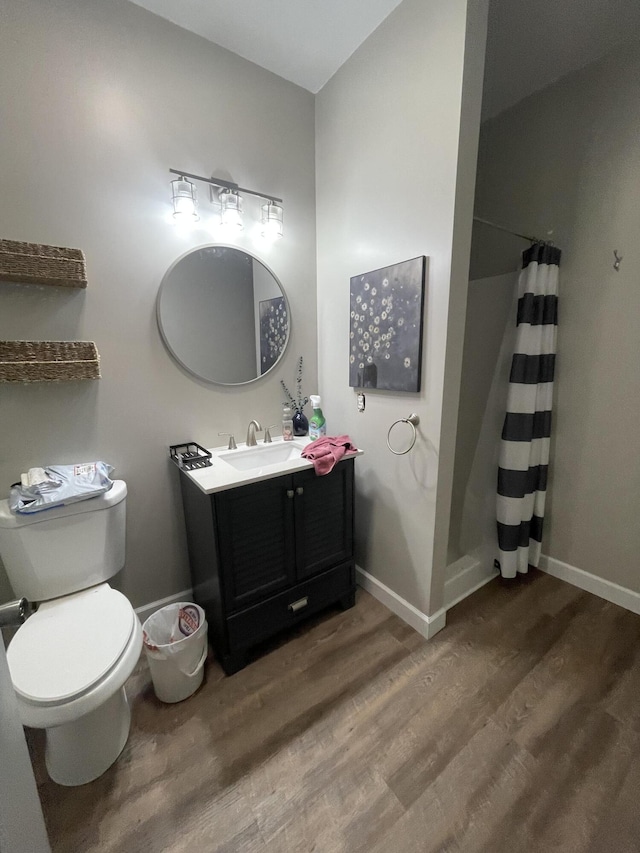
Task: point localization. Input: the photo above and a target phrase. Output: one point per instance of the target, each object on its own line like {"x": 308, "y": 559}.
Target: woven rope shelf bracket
{"x": 33, "y": 263}
{"x": 48, "y": 361}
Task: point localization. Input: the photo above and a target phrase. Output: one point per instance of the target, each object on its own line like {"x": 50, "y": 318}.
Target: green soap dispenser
{"x": 317, "y": 424}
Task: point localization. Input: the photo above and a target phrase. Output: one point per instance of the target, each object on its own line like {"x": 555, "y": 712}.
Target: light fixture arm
{"x": 229, "y": 185}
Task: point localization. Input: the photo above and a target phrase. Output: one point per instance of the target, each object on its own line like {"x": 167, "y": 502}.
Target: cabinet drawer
{"x": 287, "y": 608}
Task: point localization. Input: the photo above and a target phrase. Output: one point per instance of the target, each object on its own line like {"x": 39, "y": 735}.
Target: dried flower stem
{"x": 299, "y": 402}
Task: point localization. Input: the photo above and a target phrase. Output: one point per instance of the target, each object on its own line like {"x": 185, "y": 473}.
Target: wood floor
{"x": 517, "y": 729}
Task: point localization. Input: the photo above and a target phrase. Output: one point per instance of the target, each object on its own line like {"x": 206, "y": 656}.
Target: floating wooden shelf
{"x": 48, "y": 361}
{"x": 32, "y": 263}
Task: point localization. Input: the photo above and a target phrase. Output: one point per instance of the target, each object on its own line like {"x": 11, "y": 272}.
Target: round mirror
{"x": 223, "y": 315}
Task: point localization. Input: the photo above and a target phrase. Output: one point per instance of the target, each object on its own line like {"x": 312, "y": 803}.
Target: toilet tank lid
{"x": 116, "y": 493}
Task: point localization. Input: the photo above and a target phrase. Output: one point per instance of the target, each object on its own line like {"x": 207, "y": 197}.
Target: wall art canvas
{"x": 274, "y": 326}
{"x": 385, "y": 332}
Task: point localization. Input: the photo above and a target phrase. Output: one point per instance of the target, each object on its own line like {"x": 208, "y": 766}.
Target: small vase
{"x": 300, "y": 423}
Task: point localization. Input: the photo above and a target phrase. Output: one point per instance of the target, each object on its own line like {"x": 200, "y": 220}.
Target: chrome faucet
{"x": 251, "y": 433}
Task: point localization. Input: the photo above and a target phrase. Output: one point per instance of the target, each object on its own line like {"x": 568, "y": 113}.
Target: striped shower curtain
{"x": 524, "y": 448}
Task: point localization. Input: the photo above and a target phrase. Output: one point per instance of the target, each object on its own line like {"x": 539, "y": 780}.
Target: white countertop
{"x": 220, "y": 476}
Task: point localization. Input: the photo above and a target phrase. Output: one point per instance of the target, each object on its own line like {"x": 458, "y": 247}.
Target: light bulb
{"x": 185, "y": 207}
{"x": 272, "y": 216}
{"x": 231, "y": 210}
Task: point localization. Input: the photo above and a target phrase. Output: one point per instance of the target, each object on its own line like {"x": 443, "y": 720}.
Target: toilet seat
{"x": 69, "y": 645}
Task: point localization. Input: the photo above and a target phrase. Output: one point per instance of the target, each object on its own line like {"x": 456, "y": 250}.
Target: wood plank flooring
{"x": 517, "y": 728}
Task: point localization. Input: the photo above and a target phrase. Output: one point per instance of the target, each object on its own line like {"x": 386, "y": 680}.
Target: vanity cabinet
{"x": 266, "y": 555}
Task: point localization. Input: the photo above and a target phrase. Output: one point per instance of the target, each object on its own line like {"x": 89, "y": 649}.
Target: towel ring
{"x": 413, "y": 421}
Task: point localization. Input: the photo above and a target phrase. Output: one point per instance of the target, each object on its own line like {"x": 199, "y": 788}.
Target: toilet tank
{"x": 65, "y": 549}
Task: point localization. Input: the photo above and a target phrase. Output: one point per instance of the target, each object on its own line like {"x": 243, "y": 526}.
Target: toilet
{"x": 70, "y": 660}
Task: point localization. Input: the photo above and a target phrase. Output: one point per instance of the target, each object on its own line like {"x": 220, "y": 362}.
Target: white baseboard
{"x": 428, "y": 626}
{"x": 464, "y": 577}
{"x": 147, "y": 609}
{"x": 608, "y": 590}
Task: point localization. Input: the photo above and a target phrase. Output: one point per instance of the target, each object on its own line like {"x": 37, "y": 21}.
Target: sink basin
{"x": 232, "y": 468}
{"x": 262, "y": 455}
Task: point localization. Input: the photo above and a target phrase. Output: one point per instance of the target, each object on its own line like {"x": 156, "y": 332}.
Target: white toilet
{"x": 70, "y": 660}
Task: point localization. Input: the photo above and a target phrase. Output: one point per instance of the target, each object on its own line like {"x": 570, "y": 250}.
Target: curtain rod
{"x": 508, "y": 230}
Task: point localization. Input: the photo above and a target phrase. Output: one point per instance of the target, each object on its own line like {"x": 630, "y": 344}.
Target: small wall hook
{"x": 618, "y": 259}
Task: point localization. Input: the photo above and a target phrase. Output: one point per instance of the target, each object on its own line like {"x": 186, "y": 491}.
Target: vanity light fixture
{"x": 185, "y": 205}
{"x": 272, "y": 215}
{"x": 230, "y": 209}
{"x": 228, "y": 197}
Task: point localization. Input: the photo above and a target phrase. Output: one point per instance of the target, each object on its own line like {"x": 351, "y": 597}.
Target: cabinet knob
{"x": 300, "y": 490}
{"x": 299, "y": 604}
{"x": 290, "y": 493}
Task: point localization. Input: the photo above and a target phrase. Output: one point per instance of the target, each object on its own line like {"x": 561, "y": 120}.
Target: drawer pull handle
{"x": 300, "y": 490}
{"x": 290, "y": 493}
{"x": 299, "y": 604}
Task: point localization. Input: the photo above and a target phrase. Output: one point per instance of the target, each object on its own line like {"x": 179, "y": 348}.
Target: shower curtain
{"x": 524, "y": 448}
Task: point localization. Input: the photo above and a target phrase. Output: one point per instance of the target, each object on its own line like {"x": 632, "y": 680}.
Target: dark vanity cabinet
{"x": 266, "y": 555}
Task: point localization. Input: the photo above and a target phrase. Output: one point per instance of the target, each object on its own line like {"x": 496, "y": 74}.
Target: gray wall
{"x": 567, "y": 160}
{"x": 22, "y": 828}
{"x": 388, "y": 132}
{"x": 483, "y": 397}
{"x": 97, "y": 101}
{"x": 493, "y": 252}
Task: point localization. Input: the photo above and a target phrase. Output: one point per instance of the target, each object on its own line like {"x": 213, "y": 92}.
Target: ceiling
{"x": 531, "y": 43}
{"x": 304, "y": 41}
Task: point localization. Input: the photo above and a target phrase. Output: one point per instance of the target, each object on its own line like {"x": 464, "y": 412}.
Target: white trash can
{"x": 175, "y": 643}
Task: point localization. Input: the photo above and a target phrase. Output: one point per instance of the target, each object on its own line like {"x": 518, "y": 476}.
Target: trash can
{"x": 175, "y": 643}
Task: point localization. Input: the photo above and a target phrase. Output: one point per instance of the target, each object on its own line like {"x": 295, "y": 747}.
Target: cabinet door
{"x": 324, "y": 519}
{"x": 255, "y": 540}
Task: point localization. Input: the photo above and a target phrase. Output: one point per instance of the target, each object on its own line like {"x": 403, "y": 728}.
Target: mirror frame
{"x": 170, "y": 348}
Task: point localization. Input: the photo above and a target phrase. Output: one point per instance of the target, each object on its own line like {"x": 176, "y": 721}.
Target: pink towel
{"x": 326, "y": 452}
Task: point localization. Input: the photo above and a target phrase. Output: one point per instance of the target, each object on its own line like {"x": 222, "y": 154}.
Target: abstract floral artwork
{"x": 274, "y": 327}
{"x": 385, "y": 330}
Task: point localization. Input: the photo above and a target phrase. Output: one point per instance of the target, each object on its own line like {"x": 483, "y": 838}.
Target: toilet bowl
{"x": 70, "y": 660}
{"x": 68, "y": 663}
